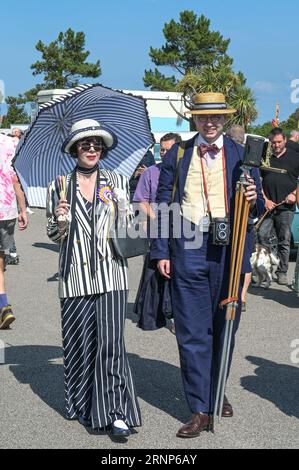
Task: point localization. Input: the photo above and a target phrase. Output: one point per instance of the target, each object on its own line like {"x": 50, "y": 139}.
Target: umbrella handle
{"x": 62, "y": 187}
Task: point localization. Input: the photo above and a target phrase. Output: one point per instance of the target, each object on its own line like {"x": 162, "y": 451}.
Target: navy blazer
{"x": 233, "y": 156}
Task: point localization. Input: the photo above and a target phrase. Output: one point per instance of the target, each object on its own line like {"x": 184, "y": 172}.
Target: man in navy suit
{"x": 202, "y": 184}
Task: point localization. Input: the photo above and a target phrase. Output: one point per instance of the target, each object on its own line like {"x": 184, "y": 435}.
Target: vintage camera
{"x": 220, "y": 231}
{"x": 255, "y": 151}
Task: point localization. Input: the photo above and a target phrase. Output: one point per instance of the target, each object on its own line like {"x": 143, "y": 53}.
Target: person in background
{"x": 16, "y": 134}
{"x": 280, "y": 198}
{"x": 167, "y": 141}
{"x": 293, "y": 142}
{"x": 147, "y": 161}
{"x": 153, "y": 304}
{"x": 237, "y": 133}
{"x": 12, "y": 258}
{"x": 11, "y": 197}
{"x": 295, "y": 283}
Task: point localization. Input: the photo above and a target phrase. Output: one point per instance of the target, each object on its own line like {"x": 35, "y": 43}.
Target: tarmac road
{"x": 263, "y": 386}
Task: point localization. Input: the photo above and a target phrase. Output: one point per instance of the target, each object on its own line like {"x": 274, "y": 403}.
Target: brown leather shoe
{"x": 227, "y": 409}
{"x": 197, "y": 423}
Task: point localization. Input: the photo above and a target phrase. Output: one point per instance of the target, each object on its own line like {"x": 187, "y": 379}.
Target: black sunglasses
{"x": 86, "y": 144}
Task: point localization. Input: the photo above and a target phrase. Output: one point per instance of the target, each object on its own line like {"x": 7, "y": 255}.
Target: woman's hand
{"x": 61, "y": 212}
{"x": 62, "y": 208}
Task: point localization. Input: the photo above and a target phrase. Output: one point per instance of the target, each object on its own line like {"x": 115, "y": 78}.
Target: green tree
{"x": 16, "y": 113}
{"x": 242, "y": 99}
{"x": 189, "y": 46}
{"x": 288, "y": 125}
{"x": 291, "y": 123}
{"x": 262, "y": 129}
{"x": 220, "y": 77}
{"x": 63, "y": 63}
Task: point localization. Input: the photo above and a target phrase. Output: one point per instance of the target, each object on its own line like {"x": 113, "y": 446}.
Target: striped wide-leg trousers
{"x": 98, "y": 382}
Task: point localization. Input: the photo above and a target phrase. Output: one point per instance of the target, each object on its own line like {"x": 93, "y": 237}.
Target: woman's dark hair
{"x": 74, "y": 153}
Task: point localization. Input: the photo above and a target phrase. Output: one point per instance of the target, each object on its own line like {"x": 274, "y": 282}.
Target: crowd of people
{"x": 181, "y": 280}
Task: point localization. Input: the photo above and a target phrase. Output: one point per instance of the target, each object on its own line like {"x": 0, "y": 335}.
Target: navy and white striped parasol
{"x": 39, "y": 158}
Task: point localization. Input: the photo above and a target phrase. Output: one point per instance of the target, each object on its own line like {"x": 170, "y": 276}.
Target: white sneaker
{"x": 29, "y": 211}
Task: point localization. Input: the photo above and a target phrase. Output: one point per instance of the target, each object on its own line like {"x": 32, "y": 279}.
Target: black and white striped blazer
{"x": 111, "y": 274}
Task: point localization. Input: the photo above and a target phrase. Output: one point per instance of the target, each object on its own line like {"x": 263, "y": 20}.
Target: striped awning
{"x": 39, "y": 158}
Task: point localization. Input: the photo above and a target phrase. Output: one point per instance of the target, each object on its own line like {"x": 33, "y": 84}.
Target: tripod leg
{"x": 224, "y": 378}
{"x": 221, "y": 370}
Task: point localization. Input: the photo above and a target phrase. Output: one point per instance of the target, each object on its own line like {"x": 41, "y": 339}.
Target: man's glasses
{"x": 214, "y": 118}
{"x": 86, "y": 144}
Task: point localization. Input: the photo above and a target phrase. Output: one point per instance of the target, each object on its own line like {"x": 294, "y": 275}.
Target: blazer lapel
{"x": 233, "y": 160}
{"x": 184, "y": 167}
{"x": 82, "y": 215}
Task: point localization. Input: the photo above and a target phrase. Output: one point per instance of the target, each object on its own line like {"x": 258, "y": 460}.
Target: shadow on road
{"x": 47, "y": 246}
{"x": 156, "y": 382}
{"x": 277, "y": 383}
{"x": 159, "y": 384}
{"x": 288, "y": 299}
{"x": 32, "y": 365}
{"x": 130, "y": 314}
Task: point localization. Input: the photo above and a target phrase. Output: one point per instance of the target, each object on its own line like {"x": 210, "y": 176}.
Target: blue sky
{"x": 264, "y": 40}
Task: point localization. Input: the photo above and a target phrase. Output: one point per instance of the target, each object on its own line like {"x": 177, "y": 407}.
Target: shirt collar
{"x": 200, "y": 140}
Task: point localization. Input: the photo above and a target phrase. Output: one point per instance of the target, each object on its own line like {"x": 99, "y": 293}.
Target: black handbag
{"x": 128, "y": 238}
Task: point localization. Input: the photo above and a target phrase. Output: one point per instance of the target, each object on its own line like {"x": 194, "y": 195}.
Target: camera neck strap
{"x": 205, "y": 186}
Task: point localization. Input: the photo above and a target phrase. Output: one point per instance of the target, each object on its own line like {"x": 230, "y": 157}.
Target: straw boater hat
{"x": 89, "y": 128}
{"x": 209, "y": 103}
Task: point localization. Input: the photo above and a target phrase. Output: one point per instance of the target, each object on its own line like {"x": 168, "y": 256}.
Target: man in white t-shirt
{"x": 11, "y": 196}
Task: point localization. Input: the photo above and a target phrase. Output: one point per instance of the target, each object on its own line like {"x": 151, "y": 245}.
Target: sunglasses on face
{"x": 86, "y": 144}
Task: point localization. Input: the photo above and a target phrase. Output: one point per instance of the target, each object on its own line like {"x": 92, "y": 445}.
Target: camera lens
{"x": 222, "y": 226}
{"x": 222, "y": 234}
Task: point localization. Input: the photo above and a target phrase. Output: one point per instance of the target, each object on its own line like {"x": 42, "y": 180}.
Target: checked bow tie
{"x": 211, "y": 149}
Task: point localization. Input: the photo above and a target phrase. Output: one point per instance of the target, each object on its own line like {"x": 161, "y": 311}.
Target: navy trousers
{"x": 199, "y": 279}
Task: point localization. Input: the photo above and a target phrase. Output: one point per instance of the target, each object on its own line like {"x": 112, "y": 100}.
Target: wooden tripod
{"x": 238, "y": 243}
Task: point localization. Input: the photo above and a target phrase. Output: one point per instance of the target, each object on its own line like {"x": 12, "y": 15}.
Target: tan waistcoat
{"x": 194, "y": 205}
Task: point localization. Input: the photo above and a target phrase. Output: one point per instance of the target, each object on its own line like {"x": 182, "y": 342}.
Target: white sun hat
{"x": 89, "y": 128}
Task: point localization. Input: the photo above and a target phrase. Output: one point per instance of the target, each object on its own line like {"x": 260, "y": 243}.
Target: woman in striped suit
{"x": 93, "y": 284}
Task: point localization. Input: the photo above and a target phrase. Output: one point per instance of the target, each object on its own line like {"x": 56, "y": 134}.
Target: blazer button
{"x": 84, "y": 264}
{"x": 78, "y": 241}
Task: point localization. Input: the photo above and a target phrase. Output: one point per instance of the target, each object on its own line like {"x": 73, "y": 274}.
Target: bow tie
{"x": 204, "y": 148}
